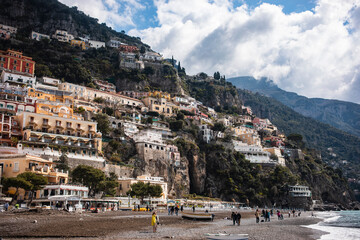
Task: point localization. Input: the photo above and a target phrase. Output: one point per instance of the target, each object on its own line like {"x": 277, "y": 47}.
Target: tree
{"x": 110, "y": 184}
{"x": 99, "y": 100}
{"x": 217, "y": 75}
{"x": 142, "y": 49}
{"x": 149, "y": 120}
{"x": 179, "y": 67}
{"x": 180, "y": 116}
{"x": 142, "y": 190}
{"x": 109, "y": 111}
{"x": 172, "y": 61}
{"x": 28, "y": 181}
{"x": 103, "y": 123}
{"x": 91, "y": 177}
{"x": 62, "y": 164}
{"x": 16, "y": 183}
{"x": 176, "y": 125}
{"x": 219, "y": 127}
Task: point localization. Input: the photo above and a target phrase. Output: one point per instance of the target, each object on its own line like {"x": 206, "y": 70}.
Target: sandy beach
{"x": 50, "y": 224}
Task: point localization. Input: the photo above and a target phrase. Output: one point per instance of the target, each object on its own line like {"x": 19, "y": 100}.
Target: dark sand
{"x": 136, "y": 225}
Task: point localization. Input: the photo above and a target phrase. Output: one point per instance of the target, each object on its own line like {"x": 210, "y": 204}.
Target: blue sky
{"x": 309, "y": 47}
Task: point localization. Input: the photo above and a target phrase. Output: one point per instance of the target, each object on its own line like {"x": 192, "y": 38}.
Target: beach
{"x": 136, "y": 225}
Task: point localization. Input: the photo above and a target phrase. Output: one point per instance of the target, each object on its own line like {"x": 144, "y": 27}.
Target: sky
{"x": 310, "y": 47}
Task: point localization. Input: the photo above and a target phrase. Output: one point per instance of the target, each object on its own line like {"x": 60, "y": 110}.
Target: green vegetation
{"x": 142, "y": 190}
{"x": 95, "y": 180}
{"x": 28, "y": 181}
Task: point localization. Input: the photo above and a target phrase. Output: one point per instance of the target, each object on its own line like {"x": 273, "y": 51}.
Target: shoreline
{"x": 333, "y": 231}
{"x": 136, "y": 225}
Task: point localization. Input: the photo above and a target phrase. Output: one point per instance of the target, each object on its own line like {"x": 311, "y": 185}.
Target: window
{"x": 15, "y": 61}
{"x": 16, "y": 167}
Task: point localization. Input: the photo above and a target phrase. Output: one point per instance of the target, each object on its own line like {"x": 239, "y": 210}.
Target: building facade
{"x": 15, "y": 62}
{"x": 125, "y": 184}
{"x": 39, "y": 36}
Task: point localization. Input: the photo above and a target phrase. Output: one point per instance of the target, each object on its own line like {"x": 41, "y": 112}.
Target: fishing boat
{"x": 198, "y": 216}
{"x": 226, "y": 236}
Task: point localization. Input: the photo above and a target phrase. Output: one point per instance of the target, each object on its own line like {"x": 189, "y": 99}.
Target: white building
{"x": 207, "y": 133}
{"x": 299, "y": 191}
{"x": 113, "y": 43}
{"x": 10, "y": 29}
{"x": 276, "y": 152}
{"x": 47, "y": 83}
{"x": 17, "y": 79}
{"x": 253, "y": 153}
{"x": 151, "y": 56}
{"x": 62, "y": 36}
{"x": 39, "y": 36}
{"x": 64, "y": 190}
{"x": 96, "y": 44}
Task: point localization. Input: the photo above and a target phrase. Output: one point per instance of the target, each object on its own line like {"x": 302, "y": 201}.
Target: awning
{"x": 64, "y": 198}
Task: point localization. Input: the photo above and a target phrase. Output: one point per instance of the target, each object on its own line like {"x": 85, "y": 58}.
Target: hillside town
{"x": 44, "y": 120}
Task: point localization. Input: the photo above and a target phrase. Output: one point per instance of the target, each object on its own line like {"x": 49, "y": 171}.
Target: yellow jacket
{"x": 153, "y": 220}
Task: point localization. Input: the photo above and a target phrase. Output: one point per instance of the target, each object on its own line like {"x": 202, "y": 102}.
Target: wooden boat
{"x": 226, "y": 236}
{"x": 198, "y": 216}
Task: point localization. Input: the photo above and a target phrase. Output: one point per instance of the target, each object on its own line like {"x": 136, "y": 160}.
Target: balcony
{"x": 47, "y": 170}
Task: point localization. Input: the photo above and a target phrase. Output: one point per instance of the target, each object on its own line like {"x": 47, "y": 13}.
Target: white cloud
{"x": 117, "y": 14}
{"x": 314, "y": 53}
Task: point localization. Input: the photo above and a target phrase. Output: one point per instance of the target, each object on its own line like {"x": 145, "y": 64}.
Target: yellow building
{"x": 15, "y": 164}
{"x": 159, "y": 94}
{"x": 43, "y": 130}
{"x": 52, "y": 96}
{"x": 79, "y": 43}
{"x": 237, "y": 131}
{"x": 56, "y": 109}
{"x": 250, "y": 139}
{"x": 125, "y": 184}
{"x": 160, "y": 105}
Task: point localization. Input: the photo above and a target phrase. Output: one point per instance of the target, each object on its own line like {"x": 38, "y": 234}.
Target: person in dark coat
{"x": 233, "y": 217}
{"x": 238, "y": 218}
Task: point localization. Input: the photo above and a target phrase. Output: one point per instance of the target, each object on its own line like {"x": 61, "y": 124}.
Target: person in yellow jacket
{"x": 154, "y": 221}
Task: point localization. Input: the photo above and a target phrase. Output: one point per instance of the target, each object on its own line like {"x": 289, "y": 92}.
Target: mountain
{"x": 46, "y": 16}
{"x": 334, "y": 144}
{"x": 340, "y": 114}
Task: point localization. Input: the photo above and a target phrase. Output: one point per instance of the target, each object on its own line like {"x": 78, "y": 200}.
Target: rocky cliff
{"x": 46, "y": 16}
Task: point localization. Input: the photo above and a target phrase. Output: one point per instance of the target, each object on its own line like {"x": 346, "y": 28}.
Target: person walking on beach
{"x": 233, "y": 217}
{"x": 182, "y": 208}
{"x": 289, "y": 214}
{"x": 257, "y": 215}
{"x": 176, "y": 210}
{"x": 278, "y": 214}
{"x": 193, "y": 208}
{"x": 293, "y": 211}
{"x": 6, "y": 206}
{"x": 238, "y": 218}
{"x": 154, "y": 221}
{"x": 268, "y": 216}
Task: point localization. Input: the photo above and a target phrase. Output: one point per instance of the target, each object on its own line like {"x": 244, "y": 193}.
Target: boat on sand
{"x": 198, "y": 216}
{"x": 226, "y": 236}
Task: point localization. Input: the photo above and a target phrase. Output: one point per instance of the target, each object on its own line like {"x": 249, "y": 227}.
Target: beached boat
{"x": 198, "y": 216}
{"x": 226, "y": 236}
